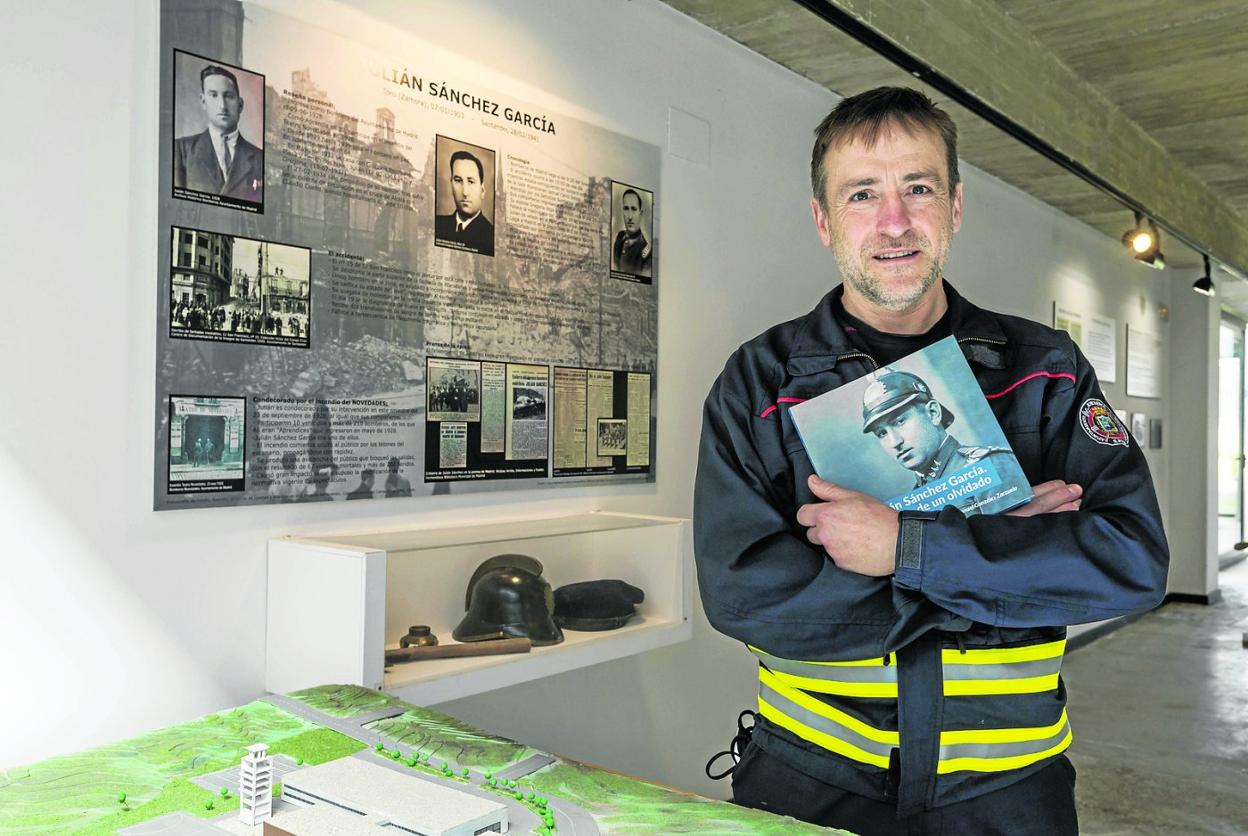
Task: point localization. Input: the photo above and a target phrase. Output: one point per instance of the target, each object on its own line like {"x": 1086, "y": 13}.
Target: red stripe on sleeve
{"x": 774, "y": 406}
{"x": 1023, "y": 380}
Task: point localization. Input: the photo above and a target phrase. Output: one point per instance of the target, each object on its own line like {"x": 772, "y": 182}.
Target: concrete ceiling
{"x": 1150, "y": 97}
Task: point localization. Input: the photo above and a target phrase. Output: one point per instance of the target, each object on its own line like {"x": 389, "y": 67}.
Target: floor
{"x": 1160, "y": 713}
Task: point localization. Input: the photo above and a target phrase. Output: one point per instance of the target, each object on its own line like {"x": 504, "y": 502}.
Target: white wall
{"x": 114, "y": 619}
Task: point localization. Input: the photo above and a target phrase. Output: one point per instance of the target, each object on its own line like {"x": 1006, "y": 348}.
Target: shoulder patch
{"x": 1101, "y": 424}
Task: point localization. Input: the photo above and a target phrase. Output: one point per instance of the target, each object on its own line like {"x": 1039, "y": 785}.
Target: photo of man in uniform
{"x": 219, "y": 161}
{"x": 466, "y": 227}
{"x": 631, "y": 250}
{"x": 898, "y": 408}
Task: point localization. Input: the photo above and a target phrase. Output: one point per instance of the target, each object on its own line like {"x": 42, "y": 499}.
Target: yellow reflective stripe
{"x": 949, "y": 738}
{"x": 826, "y": 711}
{"x": 876, "y": 662}
{"x": 842, "y": 689}
{"x": 1001, "y": 764}
{"x": 817, "y": 737}
{"x": 982, "y": 687}
{"x": 1003, "y": 655}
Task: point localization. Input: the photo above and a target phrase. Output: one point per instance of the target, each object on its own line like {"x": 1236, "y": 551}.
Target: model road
{"x": 569, "y": 818}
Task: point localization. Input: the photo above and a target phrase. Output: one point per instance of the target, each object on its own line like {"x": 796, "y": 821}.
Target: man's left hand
{"x": 857, "y": 531}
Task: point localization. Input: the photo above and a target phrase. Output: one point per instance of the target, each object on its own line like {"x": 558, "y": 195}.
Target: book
{"x": 918, "y": 435}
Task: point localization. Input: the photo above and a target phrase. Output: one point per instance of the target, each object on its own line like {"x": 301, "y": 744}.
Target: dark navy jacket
{"x": 983, "y": 581}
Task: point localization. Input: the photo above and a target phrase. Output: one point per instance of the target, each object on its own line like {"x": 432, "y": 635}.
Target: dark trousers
{"x": 1042, "y": 804}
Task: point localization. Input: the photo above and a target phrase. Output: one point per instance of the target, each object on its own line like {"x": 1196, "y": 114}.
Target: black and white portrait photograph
{"x": 464, "y": 197}
{"x": 206, "y": 443}
{"x": 227, "y": 288}
{"x": 632, "y": 233}
{"x": 612, "y": 436}
{"x": 218, "y": 133}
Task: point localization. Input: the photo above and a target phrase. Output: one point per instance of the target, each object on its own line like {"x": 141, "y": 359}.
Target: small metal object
{"x": 1244, "y": 639}
{"x": 418, "y": 635}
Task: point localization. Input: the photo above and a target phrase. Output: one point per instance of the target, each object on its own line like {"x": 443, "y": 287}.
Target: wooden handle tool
{"x": 455, "y": 651}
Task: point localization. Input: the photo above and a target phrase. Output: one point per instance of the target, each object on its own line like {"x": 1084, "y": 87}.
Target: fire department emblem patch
{"x": 1101, "y": 424}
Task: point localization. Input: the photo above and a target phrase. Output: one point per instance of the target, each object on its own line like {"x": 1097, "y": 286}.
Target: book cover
{"x": 917, "y": 434}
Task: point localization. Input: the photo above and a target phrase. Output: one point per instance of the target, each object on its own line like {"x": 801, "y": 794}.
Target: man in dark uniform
{"x": 631, "y": 251}
{"x": 219, "y": 160}
{"x": 909, "y": 662}
{"x": 912, "y": 426}
{"x": 467, "y": 225}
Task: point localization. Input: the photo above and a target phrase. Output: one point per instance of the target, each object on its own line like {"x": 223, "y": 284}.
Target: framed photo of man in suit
{"x": 464, "y": 197}
{"x": 218, "y": 133}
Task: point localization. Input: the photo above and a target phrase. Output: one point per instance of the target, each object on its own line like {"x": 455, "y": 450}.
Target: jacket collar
{"x": 822, "y": 340}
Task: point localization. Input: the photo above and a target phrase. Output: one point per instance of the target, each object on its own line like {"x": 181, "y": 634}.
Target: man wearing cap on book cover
{"x": 898, "y": 408}
{"x": 909, "y": 661}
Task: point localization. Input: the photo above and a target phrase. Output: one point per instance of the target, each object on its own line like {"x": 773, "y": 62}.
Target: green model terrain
{"x": 78, "y": 794}
{"x": 82, "y": 794}
{"x": 419, "y": 729}
{"x": 344, "y": 701}
{"x": 450, "y": 740}
{"x": 621, "y": 804}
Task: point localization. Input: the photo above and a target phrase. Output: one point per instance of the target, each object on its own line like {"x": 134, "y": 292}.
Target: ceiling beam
{"x": 993, "y": 66}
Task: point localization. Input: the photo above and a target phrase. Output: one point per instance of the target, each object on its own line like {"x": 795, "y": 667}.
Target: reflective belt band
{"x": 1010, "y": 670}
{"x": 998, "y": 750}
{"x": 865, "y": 678}
{"x": 823, "y": 725}
{"x": 1015, "y": 670}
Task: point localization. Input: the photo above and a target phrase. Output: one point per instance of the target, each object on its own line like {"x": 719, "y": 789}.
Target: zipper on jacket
{"x": 980, "y": 340}
{"x": 958, "y": 637}
{"x": 886, "y": 655}
{"x": 874, "y": 365}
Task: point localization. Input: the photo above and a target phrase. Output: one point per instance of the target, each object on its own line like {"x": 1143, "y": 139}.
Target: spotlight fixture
{"x": 1144, "y": 241}
{"x": 1204, "y": 284}
{"x": 1141, "y": 238}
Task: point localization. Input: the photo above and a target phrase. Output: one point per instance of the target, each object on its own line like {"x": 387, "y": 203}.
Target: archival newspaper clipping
{"x": 377, "y": 277}
{"x": 918, "y": 435}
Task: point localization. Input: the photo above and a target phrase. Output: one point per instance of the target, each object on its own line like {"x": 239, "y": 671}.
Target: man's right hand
{"x": 1050, "y": 498}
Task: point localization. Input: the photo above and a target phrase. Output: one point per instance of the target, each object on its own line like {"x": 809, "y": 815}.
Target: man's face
{"x": 631, "y": 210}
{"x": 890, "y": 216}
{"x": 222, "y": 104}
{"x": 911, "y": 435}
{"x": 467, "y": 188}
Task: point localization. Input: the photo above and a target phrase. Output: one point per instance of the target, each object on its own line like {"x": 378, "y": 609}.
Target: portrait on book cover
{"x": 917, "y": 434}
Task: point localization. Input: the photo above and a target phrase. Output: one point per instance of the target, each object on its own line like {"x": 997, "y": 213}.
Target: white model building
{"x": 326, "y": 820}
{"x": 255, "y": 785}
{"x": 387, "y": 799}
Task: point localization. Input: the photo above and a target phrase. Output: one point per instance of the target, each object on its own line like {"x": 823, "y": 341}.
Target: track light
{"x": 1144, "y": 241}
{"x": 1141, "y": 238}
{"x": 1204, "y": 284}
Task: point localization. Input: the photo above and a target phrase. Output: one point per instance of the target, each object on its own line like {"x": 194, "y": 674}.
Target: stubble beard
{"x": 856, "y": 271}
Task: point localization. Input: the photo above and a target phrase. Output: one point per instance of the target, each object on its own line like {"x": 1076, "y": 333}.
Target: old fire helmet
{"x": 509, "y": 602}
{"x": 501, "y": 561}
{"x": 892, "y": 391}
